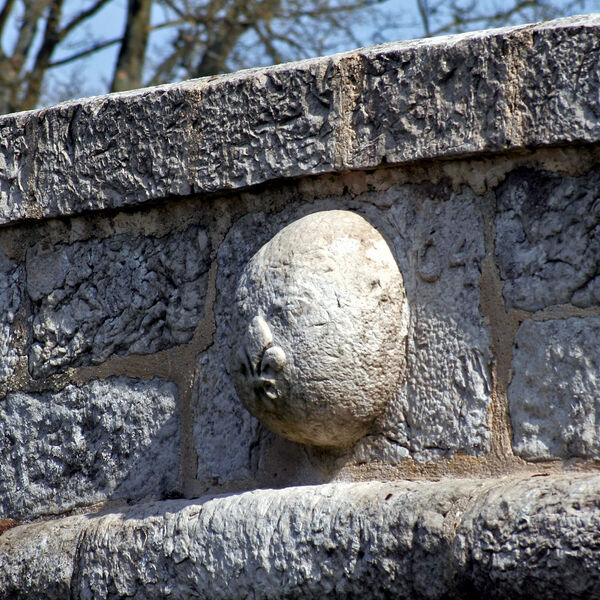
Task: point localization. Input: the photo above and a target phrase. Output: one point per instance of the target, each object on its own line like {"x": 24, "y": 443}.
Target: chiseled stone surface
{"x": 117, "y": 438}
{"x": 548, "y": 239}
{"x": 226, "y": 435}
{"x": 554, "y": 395}
{"x": 11, "y": 284}
{"x": 120, "y": 295}
{"x": 487, "y": 91}
{"x": 442, "y": 406}
{"x": 322, "y": 321}
{"x": 533, "y": 538}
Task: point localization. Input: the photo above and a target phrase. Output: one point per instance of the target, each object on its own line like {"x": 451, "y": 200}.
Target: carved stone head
{"x": 322, "y": 320}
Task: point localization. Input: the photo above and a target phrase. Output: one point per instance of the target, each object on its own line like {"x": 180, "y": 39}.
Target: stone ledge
{"x": 522, "y": 537}
{"x": 490, "y": 91}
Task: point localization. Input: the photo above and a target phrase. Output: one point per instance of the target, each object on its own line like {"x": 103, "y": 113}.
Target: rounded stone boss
{"x": 322, "y": 320}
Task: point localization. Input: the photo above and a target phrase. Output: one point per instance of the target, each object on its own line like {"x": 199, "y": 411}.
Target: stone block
{"x": 11, "y": 291}
{"x": 531, "y": 538}
{"x": 522, "y": 538}
{"x": 443, "y": 403}
{"x": 334, "y": 541}
{"x": 548, "y": 239}
{"x": 37, "y": 561}
{"x": 117, "y": 438}
{"x": 120, "y": 295}
{"x": 554, "y": 395}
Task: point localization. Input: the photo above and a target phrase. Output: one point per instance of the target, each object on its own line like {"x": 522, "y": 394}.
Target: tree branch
{"x": 86, "y": 52}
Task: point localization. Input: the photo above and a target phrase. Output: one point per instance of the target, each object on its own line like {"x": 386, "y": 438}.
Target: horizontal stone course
{"x": 117, "y": 438}
{"x": 480, "y": 92}
{"x": 527, "y": 537}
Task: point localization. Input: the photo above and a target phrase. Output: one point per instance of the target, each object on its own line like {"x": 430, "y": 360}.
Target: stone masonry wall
{"x": 117, "y": 281}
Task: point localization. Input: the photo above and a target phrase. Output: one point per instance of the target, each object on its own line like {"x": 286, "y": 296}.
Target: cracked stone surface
{"x": 226, "y": 435}
{"x": 117, "y": 438}
{"x": 120, "y": 295}
{"x": 11, "y": 285}
{"x": 525, "y": 537}
{"x": 554, "y": 395}
{"x": 548, "y": 239}
{"x": 490, "y": 91}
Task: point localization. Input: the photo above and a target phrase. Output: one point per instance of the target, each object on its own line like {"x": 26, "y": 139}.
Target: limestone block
{"x": 117, "y": 438}
{"x": 548, "y": 239}
{"x": 227, "y": 437}
{"x": 11, "y": 284}
{"x": 554, "y": 395}
{"x": 442, "y": 406}
{"x": 322, "y": 322}
{"x": 120, "y": 295}
{"x": 534, "y": 538}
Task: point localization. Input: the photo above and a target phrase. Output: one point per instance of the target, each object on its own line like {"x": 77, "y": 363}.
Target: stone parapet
{"x": 494, "y": 91}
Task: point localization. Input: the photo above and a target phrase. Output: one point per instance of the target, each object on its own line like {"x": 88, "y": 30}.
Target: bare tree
{"x": 206, "y": 37}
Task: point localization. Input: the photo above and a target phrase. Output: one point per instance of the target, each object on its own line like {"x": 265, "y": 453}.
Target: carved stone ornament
{"x": 322, "y": 319}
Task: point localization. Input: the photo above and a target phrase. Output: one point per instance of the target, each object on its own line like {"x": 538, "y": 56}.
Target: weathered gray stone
{"x": 554, "y": 395}
{"x": 442, "y": 406}
{"x": 436, "y": 237}
{"x": 322, "y": 322}
{"x": 117, "y": 438}
{"x": 11, "y": 283}
{"x": 527, "y": 537}
{"x": 535, "y": 538}
{"x": 226, "y": 436}
{"x": 332, "y": 541}
{"x": 37, "y": 560}
{"x": 121, "y": 295}
{"x": 490, "y": 91}
{"x": 548, "y": 239}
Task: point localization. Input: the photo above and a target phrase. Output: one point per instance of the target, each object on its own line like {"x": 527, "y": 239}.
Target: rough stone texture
{"x": 37, "y": 560}
{"x": 226, "y": 437}
{"x": 548, "y": 239}
{"x": 436, "y": 237}
{"x": 536, "y": 538}
{"x": 442, "y": 407}
{"x": 322, "y": 320}
{"x": 554, "y": 394}
{"x": 492, "y": 91}
{"x": 121, "y": 295}
{"x": 11, "y": 283}
{"x": 533, "y": 538}
{"x": 117, "y": 438}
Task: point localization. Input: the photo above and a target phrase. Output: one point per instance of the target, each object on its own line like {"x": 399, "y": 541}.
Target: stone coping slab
{"x": 521, "y": 537}
{"x": 491, "y": 91}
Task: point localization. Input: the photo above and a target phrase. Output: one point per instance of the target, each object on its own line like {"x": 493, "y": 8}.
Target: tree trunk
{"x": 130, "y": 64}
